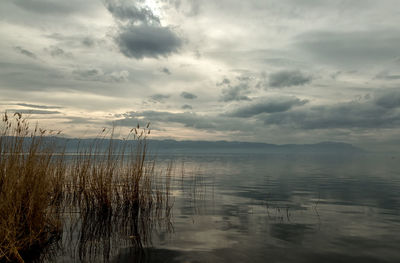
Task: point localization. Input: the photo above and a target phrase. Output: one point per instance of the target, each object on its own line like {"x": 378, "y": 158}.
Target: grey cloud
{"x": 187, "y": 95}
{"x": 48, "y": 6}
{"x": 378, "y": 113}
{"x": 99, "y": 75}
{"x": 147, "y": 41}
{"x": 336, "y": 75}
{"x": 78, "y": 120}
{"x": 126, "y": 11}
{"x": 25, "y": 52}
{"x": 268, "y": 106}
{"x": 87, "y": 73}
{"x": 350, "y": 115}
{"x": 387, "y": 76}
{"x": 355, "y": 48}
{"x": 388, "y": 100}
{"x": 392, "y": 77}
{"x": 166, "y": 71}
{"x": 29, "y": 76}
{"x": 75, "y": 40}
{"x": 33, "y": 111}
{"x": 142, "y": 35}
{"x": 224, "y": 82}
{"x": 288, "y": 78}
{"x": 188, "y": 119}
{"x": 159, "y": 97}
{"x": 117, "y": 76}
{"x": 55, "y": 51}
{"x": 244, "y": 78}
{"x": 187, "y": 107}
{"x": 88, "y": 41}
{"x": 235, "y": 93}
{"x": 17, "y": 78}
{"x": 38, "y": 106}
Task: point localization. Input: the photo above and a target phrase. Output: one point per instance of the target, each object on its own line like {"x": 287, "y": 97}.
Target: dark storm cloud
{"x": 159, "y": 97}
{"x": 381, "y": 112}
{"x": 287, "y": 78}
{"x": 142, "y": 34}
{"x": 187, "y": 95}
{"x": 235, "y": 93}
{"x": 267, "y": 106}
{"x": 147, "y": 41}
{"x": 38, "y": 106}
{"x": 351, "y": 48}
{"x": 187, "y": 107}
{"x": 25, "y": 52}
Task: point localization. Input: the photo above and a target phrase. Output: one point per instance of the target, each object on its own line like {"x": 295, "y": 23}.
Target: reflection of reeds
{"x": 106, "y": 192}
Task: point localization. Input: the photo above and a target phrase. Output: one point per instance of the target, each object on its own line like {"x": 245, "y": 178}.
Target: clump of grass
{"x": 108, "y": 187}
{"x": 30, "y": 186}
{"x": 119, "y": 194}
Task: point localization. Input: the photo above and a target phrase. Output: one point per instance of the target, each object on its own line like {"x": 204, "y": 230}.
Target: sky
{"x": 275, "y": 71}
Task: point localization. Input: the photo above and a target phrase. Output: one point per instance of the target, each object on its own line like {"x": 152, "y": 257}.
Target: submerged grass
{"x": 105, "y": 188}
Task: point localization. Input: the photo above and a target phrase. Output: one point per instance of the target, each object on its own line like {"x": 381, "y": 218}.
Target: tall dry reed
{"x": 108, "y": 186}
{"x": 30, "y": 186}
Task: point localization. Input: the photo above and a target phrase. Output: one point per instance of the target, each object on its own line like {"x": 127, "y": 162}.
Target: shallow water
{"x": 276, "y": 208}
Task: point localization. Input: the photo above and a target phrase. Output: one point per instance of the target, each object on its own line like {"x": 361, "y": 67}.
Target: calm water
{"x": 277, "y": 208}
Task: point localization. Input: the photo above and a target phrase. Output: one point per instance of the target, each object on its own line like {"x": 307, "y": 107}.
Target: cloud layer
{"x": 381, "y": 112}
{"x": 294, "y": 71}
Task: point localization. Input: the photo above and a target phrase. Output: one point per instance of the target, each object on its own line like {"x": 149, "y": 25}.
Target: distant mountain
{"x": 250, "y": 147}
{"x": 173, "y": 146}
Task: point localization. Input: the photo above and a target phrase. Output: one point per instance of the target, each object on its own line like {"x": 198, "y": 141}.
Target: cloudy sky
{"x": 277, "y": 71}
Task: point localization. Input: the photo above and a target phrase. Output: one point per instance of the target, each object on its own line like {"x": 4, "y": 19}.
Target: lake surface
{"x": 275, "y": 208}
